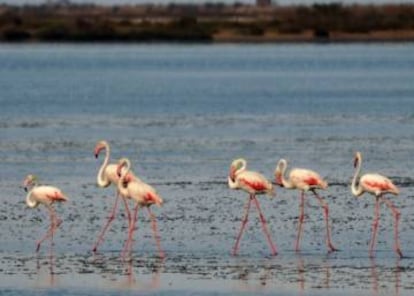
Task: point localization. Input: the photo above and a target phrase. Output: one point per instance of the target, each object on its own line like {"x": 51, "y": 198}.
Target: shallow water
{"x": 181, "y": 114}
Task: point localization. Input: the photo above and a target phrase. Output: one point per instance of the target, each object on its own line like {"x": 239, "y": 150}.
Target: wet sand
{"x": 288, "y": 274}
{"x": 197, "y": 237}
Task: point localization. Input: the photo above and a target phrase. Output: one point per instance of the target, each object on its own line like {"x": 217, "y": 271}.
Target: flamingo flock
{"x": 130, "y": 188}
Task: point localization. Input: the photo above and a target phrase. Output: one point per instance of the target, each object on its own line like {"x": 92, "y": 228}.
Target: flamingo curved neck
{"x": 101, "y": 179}
{"x": 282, "y": 166}
{"x": 123, "y": 190}
{"x": 356, "y": 190}
{"x": 30, "y": 202}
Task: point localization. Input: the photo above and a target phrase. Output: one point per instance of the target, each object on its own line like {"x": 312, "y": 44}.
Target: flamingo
{"x": 378, "y": 186}
{"x": 107, "y": 175}
{"x": 304, "y": 180}
{"x": 46, "y": 195}
{"x": 253, "y": 183}
{"x": 144, "y": 195}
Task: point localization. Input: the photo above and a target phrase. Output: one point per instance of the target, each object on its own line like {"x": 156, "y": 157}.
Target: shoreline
{"x": 207, "y": 23}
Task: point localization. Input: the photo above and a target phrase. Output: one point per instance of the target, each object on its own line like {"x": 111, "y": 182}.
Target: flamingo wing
{"x": 306, "y": 179}
{"x": 253, "y": 182}
{"x": 378, "y": 184}
{"x": 48, "y": 194}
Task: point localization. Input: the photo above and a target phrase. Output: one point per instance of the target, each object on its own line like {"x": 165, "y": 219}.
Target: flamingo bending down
{"x": 377, "y": 185}
{"x": 144, "y": 195}
{"x": 254, "y": 184}
{"x": 304, "y": 180}
{"x": 107, "y": 175}
{"x": 45, "y": 195}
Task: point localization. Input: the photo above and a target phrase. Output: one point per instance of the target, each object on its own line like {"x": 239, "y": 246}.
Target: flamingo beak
{"x": 355, "y": 162}
{"x": 25, "y": 188}
{"x": 97, "y": 151}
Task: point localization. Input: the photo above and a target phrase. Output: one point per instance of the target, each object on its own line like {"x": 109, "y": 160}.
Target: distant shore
{"x": 208, "y": 22}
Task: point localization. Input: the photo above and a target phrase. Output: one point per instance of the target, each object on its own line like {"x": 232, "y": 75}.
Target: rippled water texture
{"x": 181, "y": 114}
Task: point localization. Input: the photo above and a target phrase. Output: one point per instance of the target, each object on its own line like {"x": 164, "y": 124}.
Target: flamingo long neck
{"x": 282, "y": 166}
{"x": 356, "y": 190}
{"x": 123, "y": 190}
{"x": 233, "y": 184}
{"x": 101, "y": 179}
{"x": 30, "y": 202}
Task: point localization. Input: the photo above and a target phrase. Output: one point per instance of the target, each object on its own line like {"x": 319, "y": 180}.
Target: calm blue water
{"x": 182, "y": 113}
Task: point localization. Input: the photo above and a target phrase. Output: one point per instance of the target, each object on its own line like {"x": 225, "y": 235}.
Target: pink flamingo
{"x": 377, "y": 185}
{"x": 253, "y": 183}
{"x": 144, "y": 195}
{"x": 46, "y": 195}
{"x": 107, "y": 175}
{"x": 304, "y": 180}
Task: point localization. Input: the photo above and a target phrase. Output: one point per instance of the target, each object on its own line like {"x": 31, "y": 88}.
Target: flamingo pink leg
{"x": 244, "y": 222}
{"x": 301, "y": 219}
{"x": 155, "y": 232}
{"x": 265, "y": 230}
{"x": 105, "y": 228}
{"x": 375, "y": 223}
{"x": 396, "y": 213}
{"x": 128, "y": 244}
{"x": 325, "y": 206}
{"x": 54, "y": 224}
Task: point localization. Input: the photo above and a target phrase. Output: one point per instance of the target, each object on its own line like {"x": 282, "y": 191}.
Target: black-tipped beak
{"x": 25, "y": 188}
{"x": 96, "y": 155}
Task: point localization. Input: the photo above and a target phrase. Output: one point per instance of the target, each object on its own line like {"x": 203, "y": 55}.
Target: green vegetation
{"x": 204, "y": 23}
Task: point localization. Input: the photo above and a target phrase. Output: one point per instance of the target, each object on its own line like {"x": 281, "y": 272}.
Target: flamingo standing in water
{"x": 254, "y": 184}
{"x": 377, "y": 185}
{"x": 304, "y": 180}
{"x": 46, "y": 195}
{"x": 144, "y": 195}
{"x": 107, "y": 175}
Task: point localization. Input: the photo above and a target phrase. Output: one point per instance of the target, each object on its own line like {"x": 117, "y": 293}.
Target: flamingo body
{"x": 253, "y": 183}
{"x": 46, "y": 195}
{"x": 377, "y": 184}
{"x": 303, "y": 179}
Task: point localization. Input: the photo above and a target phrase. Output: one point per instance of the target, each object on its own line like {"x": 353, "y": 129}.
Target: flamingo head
{"x": 357, "y": 158}
{"x": 236, "y": 166}
{"x": 101, "y": 145}
{"x": 29, "y": 181}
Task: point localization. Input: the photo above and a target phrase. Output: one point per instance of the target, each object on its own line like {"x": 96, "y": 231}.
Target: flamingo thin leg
{"x": 265, "y": 230}
{"x": 128, "y": 243}
{"x": 54, "y": 224}
{"x": 325, "y": 206}
{"x": 375, "y": 223}
{"x": 129, "y": 216}
{"x": 155, "y": 232}
{"x": 244, "y": 222}
{"x": 105, "y": 228}
{"x": 301, "y": 219}
{"x": 397, "y": 214}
